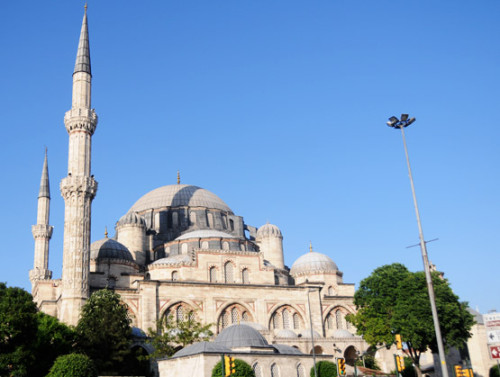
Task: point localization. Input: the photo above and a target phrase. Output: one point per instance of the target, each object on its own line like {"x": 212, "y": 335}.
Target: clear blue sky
{"x": 278, "y": 107}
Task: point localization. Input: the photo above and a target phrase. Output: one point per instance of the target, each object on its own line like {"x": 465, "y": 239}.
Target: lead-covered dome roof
{"x": 241, "y": 336}
{"x": 131, "y": 218}
{"x": 267, "y": 230}
{"x": 110, "y": 249}
{"x": 179, "y": 196}
{"x": 313, "y": 262}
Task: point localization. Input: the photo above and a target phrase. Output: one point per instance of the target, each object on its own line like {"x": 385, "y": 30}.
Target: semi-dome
{"x": 341, "y": 333}
{"x": 110, "y": 249}
{"x": 204, "y": 233}
{"x": 179, "y": 196}
{"x": 131, "y": 218}
{"x": 286, "y": 333}
{"x": 201, "y": 347}
{"x": 313, "y": 262}
{"x": 269, "y": 230}
{"x": 241, "y": 336}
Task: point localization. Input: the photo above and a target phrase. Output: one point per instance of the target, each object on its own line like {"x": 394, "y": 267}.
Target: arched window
{"x": 231, "y": 224}
{"x": 244, "y": 276}
{"x": 339, "y": 319}
{"x": 192, "y": 217}
{"x": 224, "y": 320}
{"x": 300, "y": 371}
{"x": 179, "y": 314}
{"x": 276, "y": 279}
{"x": 296, "y": 321}
{"x": 228, "y": 273}
{"x": 286, "y": 319}
{"x": 184, "y": 248}
{"x": 225, "y": 245}
{"x": 329, "y": 322}
{"x": 175, "y": 275}
{"x": 204, "y": 245}
{"x": 175, "y": 219}
{"x": 257, "y": 370}
{"x": 244, "y": 316}
{"x": 330, "y": 291}
{"x": 210, "y": 220}
{"x": 224, "y": 221}
{"x": 275, "y": 372}
{"x": 234, "y": 316}
{"x": 213, "y": 274}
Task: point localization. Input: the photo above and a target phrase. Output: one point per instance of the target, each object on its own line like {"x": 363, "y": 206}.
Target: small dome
{"x": 307, "y": 334}
{"x": 269, "y": 230}
{"x": 110, "y": 249}
{"x": 205, "y": 233}
{"x": 341, "y": 333}
{"x": 179, "y": 196}
{"x": 313, "y": 262}
{"x": 138, "y": 333}
{"x": 201, "y": 347}
{"x": 241, "y": 336}
{"x": 287, "y": 350}
{"x": 286, "y": 333}
{"x": 131, "y": 218}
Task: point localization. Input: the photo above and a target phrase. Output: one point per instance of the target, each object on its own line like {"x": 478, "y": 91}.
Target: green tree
{"x": 393, "y": 300}
{"x": 18, "y": 327}
{"x": 242, "y": 369}
{"x": 73, "y": 365}
{"x": 53, "y": 339}
{"x": 369, "y": 362}
{"x": 104, "y": 333}
{"x": 170, "y": 335}
{"x": 495, "y": 371}
{"x": 324, "y": 369}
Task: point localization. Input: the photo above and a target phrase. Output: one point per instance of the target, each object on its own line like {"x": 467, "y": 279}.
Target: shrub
{"x": 494, "y": 371}
{"x": 324, "y": 369}
{"x": 73, "y": 365}
{"x": 242, "y": 369}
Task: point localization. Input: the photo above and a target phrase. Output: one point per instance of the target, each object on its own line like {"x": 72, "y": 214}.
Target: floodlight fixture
{"x": 404, "y": 117}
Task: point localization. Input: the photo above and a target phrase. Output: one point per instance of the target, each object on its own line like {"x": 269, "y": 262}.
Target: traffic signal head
{"x": 399, "y": 343}
{"x": 341, "y": 366}
{"x": 233, "y": 365}
{"x": 400, "y": 361}
{"x": 227, "y": 366}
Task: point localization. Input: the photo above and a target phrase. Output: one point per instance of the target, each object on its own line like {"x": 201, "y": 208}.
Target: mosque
{"x": 181, "y": 251}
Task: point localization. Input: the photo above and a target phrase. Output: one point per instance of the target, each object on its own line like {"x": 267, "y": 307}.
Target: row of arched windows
{"x": 229, "y": 275}
{"x": 335, "y": 320}
{"x": 286, "y": 317}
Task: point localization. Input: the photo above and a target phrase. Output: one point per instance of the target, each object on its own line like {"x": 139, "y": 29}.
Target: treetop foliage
{"x": 73, "y": 365}
{"x": 393, "y": 300}
{"x": 324, "y": 369}
{"x": 242, "y": 369}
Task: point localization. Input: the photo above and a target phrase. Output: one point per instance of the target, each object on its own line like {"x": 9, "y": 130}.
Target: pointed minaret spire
{"x": 83, "y": 54}
{"x": 78, "y": 188}
{"x": 44, "y": 182}
{"x": 310, "y": 247}
{"x": 42, "y": 231}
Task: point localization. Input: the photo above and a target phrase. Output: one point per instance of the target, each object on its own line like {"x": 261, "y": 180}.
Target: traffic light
{"x": 227, "y": 366}
{"x": 400, "y": 362}
{"x": 233, "y": 366}
{"x": 341, "y": 366}
{"x": 399, "y": 343}
{"x": 458, "y": 371}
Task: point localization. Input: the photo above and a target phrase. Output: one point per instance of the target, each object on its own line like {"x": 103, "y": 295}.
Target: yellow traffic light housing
{"x": 400, "y": 361}
{"x": 341, "y": 366}
{"x": 233, "y": 365}
{"x": 227, "y": 366}
{"x": 399, "y": 343}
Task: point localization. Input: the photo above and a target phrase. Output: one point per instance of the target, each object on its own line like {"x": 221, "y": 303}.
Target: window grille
{"x": 244, "y": 276}
{"x": 234, "y": 315}
{"x": 228, "y": 273}
{"x": 296, "y": 321}
{"x": 213, "y": 274}
{"x": 286, "y": 319}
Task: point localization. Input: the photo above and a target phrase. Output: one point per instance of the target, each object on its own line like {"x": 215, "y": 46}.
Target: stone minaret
{"x": 78, "y": 188}
{"x": 42, "y": 231}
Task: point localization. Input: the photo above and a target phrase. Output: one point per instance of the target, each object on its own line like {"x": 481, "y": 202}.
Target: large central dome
{"x": 179, "y": 196}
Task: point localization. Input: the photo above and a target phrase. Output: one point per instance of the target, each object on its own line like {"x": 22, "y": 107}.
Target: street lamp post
{"x": 401, "y": 124}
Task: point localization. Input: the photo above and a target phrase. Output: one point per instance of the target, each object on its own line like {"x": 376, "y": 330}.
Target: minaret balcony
{"x": 81, "y": 119}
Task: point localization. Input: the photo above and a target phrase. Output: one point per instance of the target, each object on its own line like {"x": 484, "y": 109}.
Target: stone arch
{"x": 318, "y": 350}
{"x": 350, "y": 355}
{"x": 286, "y": 317}
{"x": 335, "y": 318}
{"x": 232, "y": 314}
{"x": 275, "y": 371}
{"x": 180, "y": 310}
{"x": 257, "y": 369}
{"x": 175, "y": 275}
{"x": 300, "y": 370}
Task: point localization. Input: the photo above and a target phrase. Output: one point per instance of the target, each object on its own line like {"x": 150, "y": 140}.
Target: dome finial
{"x": 178, "y": 177}
{"x": 106, "y": 231}
{"x": 310, "y": 247}
{"x": 85, "y": 7}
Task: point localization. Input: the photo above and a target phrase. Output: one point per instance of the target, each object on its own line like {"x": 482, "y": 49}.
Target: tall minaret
{"x": 78, "y": 188}
{"x": 42, "y": 231}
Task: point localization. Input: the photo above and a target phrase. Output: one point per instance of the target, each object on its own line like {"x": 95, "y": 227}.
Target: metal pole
{"x": 312, "y": 334}
{"x": 427, "y": 271}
